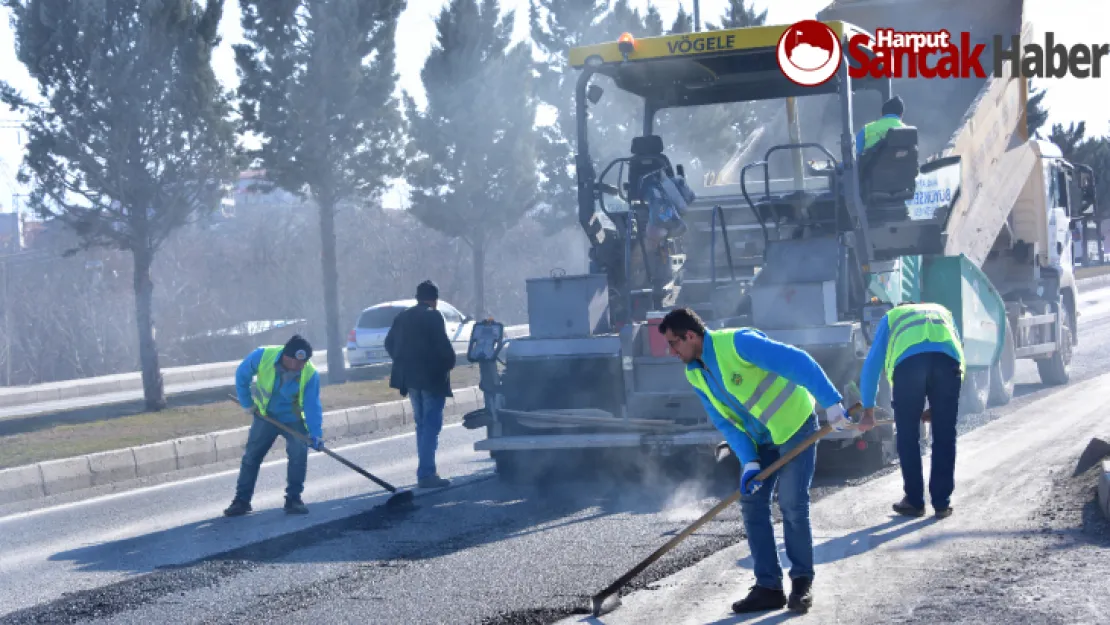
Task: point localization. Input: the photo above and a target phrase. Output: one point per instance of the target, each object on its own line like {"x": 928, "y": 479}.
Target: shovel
{"x": 605, "y": 601}
{"x": 402, "y": 499}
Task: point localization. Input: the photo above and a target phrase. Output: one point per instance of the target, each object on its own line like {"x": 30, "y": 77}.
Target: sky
{"x": 1069, "y": 99}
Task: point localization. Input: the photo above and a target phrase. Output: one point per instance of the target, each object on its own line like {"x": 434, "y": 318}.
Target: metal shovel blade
{"x": 599, "y": 606}
{"x": 1096, "y": 450}
{"x": 403, "y": 499}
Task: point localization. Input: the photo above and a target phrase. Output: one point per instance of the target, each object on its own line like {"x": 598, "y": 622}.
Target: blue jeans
{"x": 427, "y": 414}
{"x": 793, "y": 481}
{"x": 259, "y": 441}
{"x": 937, "y": 376}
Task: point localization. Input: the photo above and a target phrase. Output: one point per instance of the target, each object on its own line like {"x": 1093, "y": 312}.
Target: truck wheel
{"x": 1002, "y": 372}
{"x": 975, "y": 391}
{"x": 1056, "y": 371}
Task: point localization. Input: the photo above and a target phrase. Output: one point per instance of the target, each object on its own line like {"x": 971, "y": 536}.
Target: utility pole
{"x": 697, "y": 17}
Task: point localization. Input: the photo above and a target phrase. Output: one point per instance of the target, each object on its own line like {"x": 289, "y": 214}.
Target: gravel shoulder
{"x": 1055, "y": 571}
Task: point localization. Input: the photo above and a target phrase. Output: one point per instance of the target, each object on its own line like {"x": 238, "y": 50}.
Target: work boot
{"x": 905, "y": 508}
{"x": 237, "y": 508}
{"x": 801, "y": 598}
{"x": 294, "y": 505}
{"x": 433, "y": 481}
{"x": 943, "y": 513}
{"x": 760, "y": 599}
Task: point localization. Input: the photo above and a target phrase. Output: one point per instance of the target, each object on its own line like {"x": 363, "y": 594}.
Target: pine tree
{"x": 472, "y": 165}
{"x": 557, "y": 26}
{"x": 131, "y": 137}
{"x": 317, "y": 86}
{"x": 704, "y": 137}
{"x": 683, "y": 22}
{"x": 1070, "y": 140}
{"x": 740, "y": 14}
{"x": 1036, "y": 116}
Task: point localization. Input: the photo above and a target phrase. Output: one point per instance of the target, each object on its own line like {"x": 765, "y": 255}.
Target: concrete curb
{"x": 1103, "y": 489}
{"x": 52, "y": 477}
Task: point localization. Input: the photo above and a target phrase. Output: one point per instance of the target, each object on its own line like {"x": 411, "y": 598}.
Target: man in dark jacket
{"x": 422, "y": 361}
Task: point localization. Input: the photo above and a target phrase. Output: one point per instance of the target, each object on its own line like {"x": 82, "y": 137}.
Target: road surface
{"x": 1014, "y": 550}
{"x": 486, "y": 552}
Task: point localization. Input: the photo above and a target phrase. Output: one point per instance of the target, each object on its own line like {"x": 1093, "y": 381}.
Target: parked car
{"x": 366, "y": 342}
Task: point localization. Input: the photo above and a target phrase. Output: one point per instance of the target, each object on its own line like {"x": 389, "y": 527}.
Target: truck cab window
{"x": 1062, "y": 191}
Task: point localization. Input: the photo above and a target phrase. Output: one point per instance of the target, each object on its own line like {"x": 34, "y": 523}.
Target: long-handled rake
{"x": 400, "y": 499}
{"x": 607, "y": 601}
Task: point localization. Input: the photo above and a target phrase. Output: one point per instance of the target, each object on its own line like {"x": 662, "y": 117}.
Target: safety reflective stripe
{"x": 779, "y": 405}
{"x": 780, "y": 398}
{"x": 913, "y": 320}
{"x": 759, "y": 392}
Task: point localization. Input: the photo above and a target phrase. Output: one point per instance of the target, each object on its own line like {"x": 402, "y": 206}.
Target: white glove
{"x": 249, "y": 412}
{"x": 837, "y": 417}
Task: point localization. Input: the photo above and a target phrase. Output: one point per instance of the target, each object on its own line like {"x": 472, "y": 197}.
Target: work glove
{"x": 837, "y": 417}
{"x": 747, "y": 486}
{"x": 249, "y": 411}
{"x": 317, "y": 442}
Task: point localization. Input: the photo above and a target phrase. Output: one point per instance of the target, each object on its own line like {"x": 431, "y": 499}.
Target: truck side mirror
{"x": 1087, "y": 194}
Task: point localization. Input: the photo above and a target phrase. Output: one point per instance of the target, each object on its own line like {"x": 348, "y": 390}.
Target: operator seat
{"x": 647, "y": 157}
{"x": 888, "y": 174}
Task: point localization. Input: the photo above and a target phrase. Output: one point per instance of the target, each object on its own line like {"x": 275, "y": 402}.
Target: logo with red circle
{"x": 809, "y": 53}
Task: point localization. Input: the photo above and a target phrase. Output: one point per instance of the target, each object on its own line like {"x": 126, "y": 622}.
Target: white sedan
{"x": 366, "y": 342}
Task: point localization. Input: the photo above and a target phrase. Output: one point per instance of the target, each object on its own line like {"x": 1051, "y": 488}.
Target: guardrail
{"x": 190, "y": 378}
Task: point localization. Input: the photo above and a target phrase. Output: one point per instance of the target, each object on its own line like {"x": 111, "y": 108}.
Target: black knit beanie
{"x": 297, "y": 348}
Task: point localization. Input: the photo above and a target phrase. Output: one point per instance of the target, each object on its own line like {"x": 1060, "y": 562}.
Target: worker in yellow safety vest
{"x": 918, "y": 347}
{"x": 286, "y": 389}
{"x": 873, "y": 132}
{"x": 761, "y": 395}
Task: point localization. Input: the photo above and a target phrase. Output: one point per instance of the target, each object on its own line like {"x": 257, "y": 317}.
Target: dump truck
{"x": 798, "y": 237}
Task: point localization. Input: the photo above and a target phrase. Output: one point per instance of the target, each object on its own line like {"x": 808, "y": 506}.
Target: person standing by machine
{"x": 423, "y": 357}
{"x": 873, "y": 132}
{"x": 919, "y": 348}
{"x": 761, "y": 395}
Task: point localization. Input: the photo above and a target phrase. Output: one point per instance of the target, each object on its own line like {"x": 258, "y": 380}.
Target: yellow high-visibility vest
{"x": 911, "y": 324}
{"x": 266, "y": 375}
{"x": 779, "y": 404}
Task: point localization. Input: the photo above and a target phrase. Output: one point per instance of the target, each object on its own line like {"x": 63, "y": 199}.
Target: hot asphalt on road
{"x": 481, "y": 551}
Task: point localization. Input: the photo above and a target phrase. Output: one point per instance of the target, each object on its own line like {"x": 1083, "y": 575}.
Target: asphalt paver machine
{"x": 808, "y": 243}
